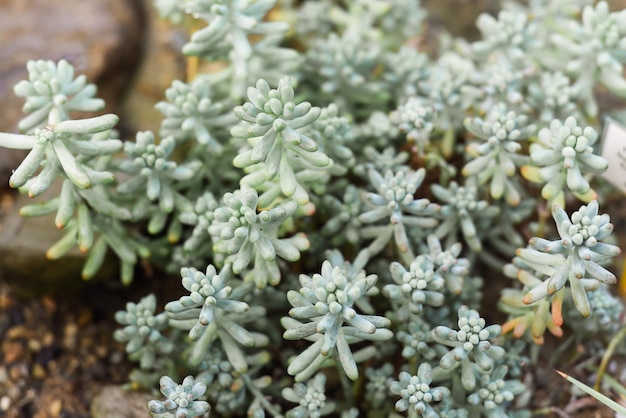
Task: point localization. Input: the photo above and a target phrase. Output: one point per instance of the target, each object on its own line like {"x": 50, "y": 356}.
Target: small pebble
{"x": 55, "y": 407}
{"x": 14, "y": 392}
{"x": 116, "y": 357}
{"x": 53, "y": 367}
{"x": 19, "y": 331}
{"x": 17, "y": 371}
{"x": 5, "y": 403}
{"x": 34, "y": 345}
{"x": 69, "y": 336}
{"x": 48, "y": 339}
{"x": 85, "y": 317}
{"x": 49, "y": 304}
{"x": 38, "y": 371}
{"x": 101, "y": 351}
{"x": 13, "y": 351}
{"x": 5, "y": 301}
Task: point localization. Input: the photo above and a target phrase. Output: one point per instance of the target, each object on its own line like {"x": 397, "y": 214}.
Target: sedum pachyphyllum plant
{"x": 343, "y": 208}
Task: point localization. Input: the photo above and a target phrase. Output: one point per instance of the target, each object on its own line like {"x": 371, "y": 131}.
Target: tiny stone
{"x": 55, "y": 407}
{"x": 5, "y": 301}
{"x": 116, "y": 357}
{"x": 48, "y": 304}
{"x": 101, "y": 351}
{"x": 74, "y": 364}
{"x": 53, "y": 366}
{"x": 85, "y": 317}
{"x": 47, "y": 339}
{"x": 17, "y": 371}
{"x": 20, "y": 331}
{"x": 88, "y": 360}
{"x": 14, "y": 392}
{"x": 38, "y": 372}
{"x": 5, "y": 403}
{"x": 69, "y": 336}
{"x": 13, "y": 351}
{"x": 86, "y": 341}
{"x": 34, "y": 345}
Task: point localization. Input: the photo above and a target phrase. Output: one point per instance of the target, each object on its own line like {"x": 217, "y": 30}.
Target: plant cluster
{"x": 334, "y": 200}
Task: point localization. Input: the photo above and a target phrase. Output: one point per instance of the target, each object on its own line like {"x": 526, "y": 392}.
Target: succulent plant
{"x": 407, "y": 69}
{"x": 272, "y": 124}
{"x": 209, "y": 312}
{"x": 344, "y": 224}
{"x": 510, "y": 33}
{"x": 591, "y": 51}
{"x": 333, "y": 133}
{"x": 416, "y": 393}
{"x": 414, "y": 288}
{"x": 562, "y": 157}
{"x": 395, "y": 200}
{"x": 552, "y": 95}
{"x": 550, "y": 9}
{"x": 226, "y": 36}
{"x": 471, "y": 346}
{"x": 310, "y": 398}
{"x": 345, "y": 63}
{"x": 444, "y": 89}
{"x": 534, "y": 317}
{"x": 193, "y": 111}
{"x": 142, "y": 331}
{"x": 494, "y": 393}
{"x": 462, "y": 210}
{"x": 416, "y": 339}
{"x": 51, "y": 89}
{"x": 500, "y": 82}
{"x": 606, "y": 317}
{"x": 244, "y": 235}
{"x": 182, "y": 400}
{"x": 328, "y": 174}
{"x": 388, "y": 159}
{"x": 201, "y": 218}
{"x": 59, "y": 146}
{"x": 496, "y": 158}
{"x": 447, "y": 264}
{"x": 574, "y": 257}
{"x": 156, "y": 172}
{"x": 326, "y": 301}
{"x": 415, "y": 118}
{"x": 377, "y": 387}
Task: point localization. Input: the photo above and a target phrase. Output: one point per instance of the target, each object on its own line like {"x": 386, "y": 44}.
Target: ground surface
{"x": 55, "y": 356}
{"x": 57, "y": 353}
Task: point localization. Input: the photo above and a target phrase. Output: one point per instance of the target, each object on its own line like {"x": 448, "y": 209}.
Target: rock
{"x": 106, "y": 44}
{"x": 163, "y": 54}
{"x": 458, "y": 17}
{"x": 23, "y": 245}
{"x": 13, "y": 351}
{"x": 114, "y": 402}
{"x": 617, "y": 5}
{"x": 103, "y": 39}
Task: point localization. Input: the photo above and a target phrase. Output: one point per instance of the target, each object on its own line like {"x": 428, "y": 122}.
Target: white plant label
{"x": 614, "y": 151}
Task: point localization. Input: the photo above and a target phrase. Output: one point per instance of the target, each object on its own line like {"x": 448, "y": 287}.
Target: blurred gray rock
{"x": 163, "y": 62}
{"x": 458, "y": 17}
{"x": 121, "y": 46}
{"x": 103, "y": 39}
{"x": 23, "y": 246}
{"x": 114, "y": 402}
